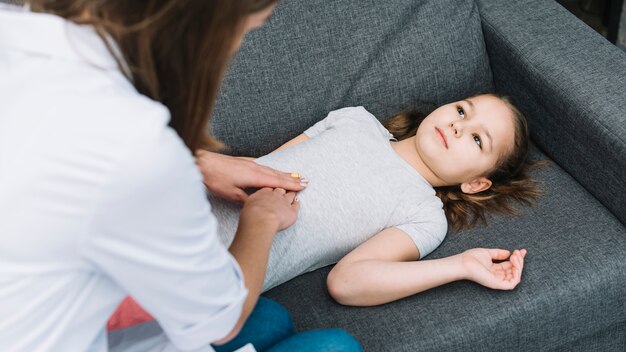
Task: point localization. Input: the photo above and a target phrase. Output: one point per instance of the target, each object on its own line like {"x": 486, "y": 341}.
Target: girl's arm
{"x": 385, "y": 269}
{"x": 298, "y": 139}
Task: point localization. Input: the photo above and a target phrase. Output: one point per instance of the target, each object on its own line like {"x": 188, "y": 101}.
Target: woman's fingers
{"x": 291, "y": 196}
{"x": 268, "y": 177}
{"x": 223, "y": 175}
{"x": 238, "y": 195}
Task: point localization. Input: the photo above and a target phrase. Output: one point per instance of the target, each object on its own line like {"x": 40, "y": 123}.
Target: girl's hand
{"x": 480, "y": 268}
{"x": 275, "y": 207}
{"x": 228, "y": 176}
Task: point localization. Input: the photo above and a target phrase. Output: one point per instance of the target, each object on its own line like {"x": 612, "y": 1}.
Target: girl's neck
{"x": 407, "y": 150}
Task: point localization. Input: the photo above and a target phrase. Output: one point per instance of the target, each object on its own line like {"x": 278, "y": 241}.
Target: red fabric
{"x": 127, "y": 314}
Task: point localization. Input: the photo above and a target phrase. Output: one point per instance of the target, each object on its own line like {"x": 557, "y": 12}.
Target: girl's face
{"x": 461, "y": 142}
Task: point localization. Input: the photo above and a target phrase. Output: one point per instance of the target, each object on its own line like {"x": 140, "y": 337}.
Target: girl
{"x": 383, "y": 203}
{"x": 392, "y": 201}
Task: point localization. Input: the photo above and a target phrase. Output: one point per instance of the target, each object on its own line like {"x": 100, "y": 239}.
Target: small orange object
{"x": 295, "y": 175}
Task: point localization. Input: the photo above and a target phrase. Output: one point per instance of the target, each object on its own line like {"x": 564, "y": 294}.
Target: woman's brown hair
{"x": 510, "y": 179}
{"x": 176, "y": 50}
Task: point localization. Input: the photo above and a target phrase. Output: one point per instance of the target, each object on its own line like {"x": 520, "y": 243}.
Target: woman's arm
{"x": 385, "y": 269}
{"x": 264, "y": 214}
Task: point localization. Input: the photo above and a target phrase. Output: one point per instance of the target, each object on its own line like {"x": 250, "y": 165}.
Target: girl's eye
{"x": 478, "y": 141}
{"x": 461, "y": 112}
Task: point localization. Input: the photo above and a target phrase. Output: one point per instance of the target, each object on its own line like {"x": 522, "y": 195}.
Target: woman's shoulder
{"x": 105, "y": 119}
{"x": 109, "y": 108}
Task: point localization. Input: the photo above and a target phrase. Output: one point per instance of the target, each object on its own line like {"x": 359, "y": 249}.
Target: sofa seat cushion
{"x": 315, "y": 56}
{"x": 573, "y": 284}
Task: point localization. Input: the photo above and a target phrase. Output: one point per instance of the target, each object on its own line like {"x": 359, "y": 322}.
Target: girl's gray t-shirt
{"x": 358, "y": 187}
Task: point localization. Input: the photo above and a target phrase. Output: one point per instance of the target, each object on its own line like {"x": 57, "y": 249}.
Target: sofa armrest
{"x": 571, "y": 84}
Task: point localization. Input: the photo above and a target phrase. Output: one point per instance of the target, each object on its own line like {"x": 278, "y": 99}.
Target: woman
{"x": 100, "y": 197}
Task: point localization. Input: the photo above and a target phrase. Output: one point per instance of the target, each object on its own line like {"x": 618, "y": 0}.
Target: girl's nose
{"x": 457, "y": 128}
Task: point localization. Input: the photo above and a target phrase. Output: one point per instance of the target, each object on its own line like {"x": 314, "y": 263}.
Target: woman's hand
{"x": 228, "y": 176}
{"x": 274, "y": 207}
{"x": 480, "y": 268}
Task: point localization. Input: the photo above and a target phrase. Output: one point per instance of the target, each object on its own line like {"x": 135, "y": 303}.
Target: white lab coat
{"x": 99, "y": 199}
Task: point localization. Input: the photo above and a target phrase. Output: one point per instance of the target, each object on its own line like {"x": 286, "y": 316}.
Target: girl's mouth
{"x": 442, "y": 137}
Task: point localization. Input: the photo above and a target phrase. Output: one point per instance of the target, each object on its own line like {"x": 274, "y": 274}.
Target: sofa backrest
{"x": 315, "y": 56}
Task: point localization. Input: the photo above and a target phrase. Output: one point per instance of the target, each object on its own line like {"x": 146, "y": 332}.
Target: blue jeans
{"x": 270, "y": 329}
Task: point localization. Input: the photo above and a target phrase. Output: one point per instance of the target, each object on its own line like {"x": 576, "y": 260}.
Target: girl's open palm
{"x": 505, "y": 275}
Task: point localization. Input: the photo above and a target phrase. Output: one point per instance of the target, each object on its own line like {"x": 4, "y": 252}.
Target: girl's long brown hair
{"x": 510, "y": 179}
{"x": 176, "y": 50}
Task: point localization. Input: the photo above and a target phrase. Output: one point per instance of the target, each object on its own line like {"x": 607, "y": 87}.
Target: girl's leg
{"x": 333, "y": 340}
{"x": 268, "y": 324}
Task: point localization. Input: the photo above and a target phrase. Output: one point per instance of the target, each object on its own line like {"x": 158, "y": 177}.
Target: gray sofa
{"x": 315, "y": 56}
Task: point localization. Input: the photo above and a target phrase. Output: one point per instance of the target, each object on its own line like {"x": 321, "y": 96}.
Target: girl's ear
{"x": 476, "y": 185}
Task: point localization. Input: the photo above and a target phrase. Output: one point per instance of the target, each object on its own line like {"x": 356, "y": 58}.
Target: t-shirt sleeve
{"x": 427, "y": 227}
{"x": 155, "y": 236}
{"x": 354, "y": 115}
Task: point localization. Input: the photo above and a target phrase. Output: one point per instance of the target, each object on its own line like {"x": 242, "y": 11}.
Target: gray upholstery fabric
{"x": 611, "y": 339}
{"x": 315, "y": 56}
{"x": 570, "y": 83}
{"x": 572, "y": 287}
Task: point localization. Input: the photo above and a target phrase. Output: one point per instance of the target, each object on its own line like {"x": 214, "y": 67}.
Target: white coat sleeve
{"x": 155, "y": 236}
